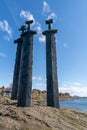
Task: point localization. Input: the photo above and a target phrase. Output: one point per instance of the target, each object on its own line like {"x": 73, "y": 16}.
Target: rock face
{"x": 40, "y": 117}
{"x": 39, "y": 95}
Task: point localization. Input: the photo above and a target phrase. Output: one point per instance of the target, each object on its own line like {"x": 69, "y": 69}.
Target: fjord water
{"x": 80, "y": 103}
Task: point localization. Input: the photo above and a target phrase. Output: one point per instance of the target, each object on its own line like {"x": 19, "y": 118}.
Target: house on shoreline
{"x": 5, "y": 91}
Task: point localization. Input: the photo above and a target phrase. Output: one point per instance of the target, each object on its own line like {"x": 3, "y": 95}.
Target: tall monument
{"x": 16, "y": 69}
{"x": 19, "y": 42}
{"x": 51, "y": 66}
{"x": 25, "y": 77}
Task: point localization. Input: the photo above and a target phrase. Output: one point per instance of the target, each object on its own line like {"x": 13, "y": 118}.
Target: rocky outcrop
{"x": 39, "y": 95}
{"x": 42, "y": 117}
{"x": 39, "y": 117}
{"x": 42, "y": 95}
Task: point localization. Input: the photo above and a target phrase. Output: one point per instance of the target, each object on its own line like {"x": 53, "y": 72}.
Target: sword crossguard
{"x": 23, "y": 28}
{"x": 29, "y": 23}
{"x": 49, "y": 22}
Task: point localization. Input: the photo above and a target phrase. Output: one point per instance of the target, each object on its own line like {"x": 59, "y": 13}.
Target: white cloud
{"x": 40, "y": 86}
{"x": 37, "y": 78}
{"x": 46, "y": 8}
{"x": 47, "y": 12}
{"x": 27, "y": 15}
{"x": 77, "y": 84}
{"x": 7, "y": 28}
{"x": 75, "y": 90}
{"x": 42, "y": 38}
{"x": 52, "y": 16}
{"x": 38, "y": 27}
{"x": 4, "y": 26}
{"x": 64, "y": 85}
{"x": 2, "y": 54}
{"x": 6, "y": 37}
{"x": 65, "y": 45}
{"x": 34, "y": 78}
{"x": 71, "y": 84}
{"x": 39, "y": 83}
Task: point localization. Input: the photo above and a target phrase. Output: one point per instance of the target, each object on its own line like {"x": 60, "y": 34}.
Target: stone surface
{"x": 16, "y": 69}
{"x": 51, "y": 69}
{"x": 41, "y": 118}
{"x": 25, "y": 77}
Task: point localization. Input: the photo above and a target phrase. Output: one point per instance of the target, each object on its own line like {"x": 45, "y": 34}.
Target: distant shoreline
{"x": 42, "y": 96}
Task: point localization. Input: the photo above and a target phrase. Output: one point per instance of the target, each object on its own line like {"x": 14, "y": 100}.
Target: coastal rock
{"x": 40, "y": 117}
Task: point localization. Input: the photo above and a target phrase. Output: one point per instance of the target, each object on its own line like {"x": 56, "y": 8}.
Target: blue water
{"x": 80, "y": 103}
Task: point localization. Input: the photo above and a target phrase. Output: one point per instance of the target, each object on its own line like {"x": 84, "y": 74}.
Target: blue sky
{"x": 70, "y": 18}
